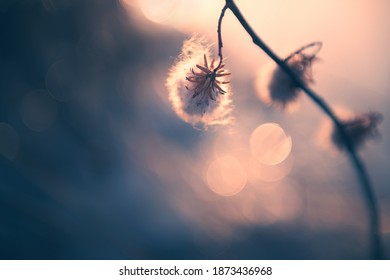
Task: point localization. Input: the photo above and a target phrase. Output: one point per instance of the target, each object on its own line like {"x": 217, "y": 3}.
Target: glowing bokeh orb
{"x": 158, "y": 11}
{"x": 226, "y": 176}
{"x": 269, "y": 144}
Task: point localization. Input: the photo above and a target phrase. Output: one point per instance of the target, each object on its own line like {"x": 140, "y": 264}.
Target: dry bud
{"x": 276, "y": 88}
{"x": 359, "y": 129}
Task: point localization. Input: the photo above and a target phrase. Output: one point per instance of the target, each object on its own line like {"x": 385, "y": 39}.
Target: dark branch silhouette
{"x": 366, "y": 187}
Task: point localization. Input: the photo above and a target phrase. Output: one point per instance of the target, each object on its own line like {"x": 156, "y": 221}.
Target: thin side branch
{"x": 371, "y": 203}
{"x": 219, "y": 31}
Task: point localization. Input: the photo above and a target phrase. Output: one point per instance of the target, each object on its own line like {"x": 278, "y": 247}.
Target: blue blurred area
{"x": 69, "y": 192}
{"x": 73, "y": 190}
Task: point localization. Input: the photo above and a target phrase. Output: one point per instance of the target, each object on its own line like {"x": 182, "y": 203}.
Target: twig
{"x": 219, "y": 31}
{"x": 368, "y": 193}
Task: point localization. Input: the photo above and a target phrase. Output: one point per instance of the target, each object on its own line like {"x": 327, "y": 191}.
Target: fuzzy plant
{"x": 200, "y": 94}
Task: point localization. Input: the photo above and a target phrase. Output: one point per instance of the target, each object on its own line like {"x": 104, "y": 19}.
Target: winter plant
{"x": 200, "y": 94}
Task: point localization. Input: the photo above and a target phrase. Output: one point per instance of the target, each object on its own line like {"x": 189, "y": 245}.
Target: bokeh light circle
{"x": 158, "y": 11}
{"x": 9, "y": 141}
{"x": 226, "y": 176}
{"x": 269, "y": 144}
{"x": 60, "y": 80}
{"x": 38, "y": 110}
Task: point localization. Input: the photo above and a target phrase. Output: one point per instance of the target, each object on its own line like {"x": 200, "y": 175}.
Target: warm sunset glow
{"x": 226, "y": 176}
{"x": 259, "y": 172}
{"x": 249, "y": 152}
{"x": 269, "y": 144}
{"x": 281, "y": 202}
{"x": 195, "y": 129}
{"x": 158, "y": 11}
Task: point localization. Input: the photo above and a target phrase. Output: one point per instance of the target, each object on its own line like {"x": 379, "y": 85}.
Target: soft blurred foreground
{"x": 95, "y": 164}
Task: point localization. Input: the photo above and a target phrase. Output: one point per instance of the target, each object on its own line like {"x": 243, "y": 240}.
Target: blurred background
{"x": 94, "y": 163}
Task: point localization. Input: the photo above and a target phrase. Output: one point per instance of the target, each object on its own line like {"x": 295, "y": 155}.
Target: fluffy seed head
{"x": 359, "y": 129}
{"x": 198, "y": 89}
{"x": 277, "y": 89}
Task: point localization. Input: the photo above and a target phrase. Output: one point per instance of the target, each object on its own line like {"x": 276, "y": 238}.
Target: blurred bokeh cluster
{"x": 95, "y": 164}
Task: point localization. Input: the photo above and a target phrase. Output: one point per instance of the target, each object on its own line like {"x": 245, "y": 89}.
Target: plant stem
{"x": 219, "y": 31}
{"x": 366, "y": 188}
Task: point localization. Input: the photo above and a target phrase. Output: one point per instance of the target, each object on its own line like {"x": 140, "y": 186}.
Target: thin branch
{"x": 219, "y": 31}
{"x": 371, "y": 203}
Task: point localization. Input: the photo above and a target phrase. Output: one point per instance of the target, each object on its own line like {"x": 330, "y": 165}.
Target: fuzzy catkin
{"x": 275, "y": 88}
{"x": 195, "y": 98}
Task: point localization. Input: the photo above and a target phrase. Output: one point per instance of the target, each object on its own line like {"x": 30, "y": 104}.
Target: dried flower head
{"x": 359, "y": 129}
{"x": 275, "y": 87}
{"x": 198, "y": 87}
